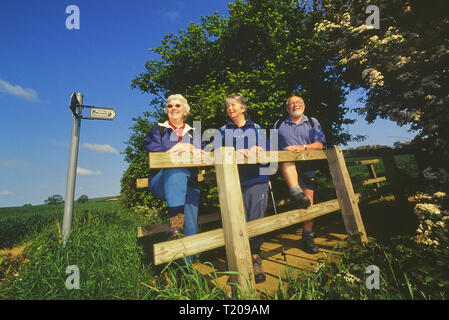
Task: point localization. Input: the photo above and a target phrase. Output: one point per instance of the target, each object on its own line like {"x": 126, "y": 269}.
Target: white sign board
{"x": 102, "y": 113}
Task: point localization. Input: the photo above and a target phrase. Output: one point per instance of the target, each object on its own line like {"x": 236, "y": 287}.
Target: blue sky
{"x": 42, "y": 63}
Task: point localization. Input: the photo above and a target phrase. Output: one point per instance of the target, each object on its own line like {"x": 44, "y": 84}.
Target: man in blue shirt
{"x": 298, "y": 133}
{"x": 243, "y": 135}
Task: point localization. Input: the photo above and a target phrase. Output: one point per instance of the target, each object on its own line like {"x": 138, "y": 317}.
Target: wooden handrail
{"x": 164, "y": 160}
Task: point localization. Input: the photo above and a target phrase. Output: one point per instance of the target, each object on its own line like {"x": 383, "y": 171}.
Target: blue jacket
{"x": 162, "y": 138}
{"x": 155, "y": 142}
{"x": 249, "y": 173}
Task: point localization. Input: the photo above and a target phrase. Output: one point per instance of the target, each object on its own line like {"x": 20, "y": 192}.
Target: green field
{"x": 103, "y": 245}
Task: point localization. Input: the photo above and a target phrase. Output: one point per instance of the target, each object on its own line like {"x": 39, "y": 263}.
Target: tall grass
{"x": 102, "y": 245}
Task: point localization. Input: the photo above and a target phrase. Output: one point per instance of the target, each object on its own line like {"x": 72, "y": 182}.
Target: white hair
{"x": 239, "y": 98}
{"x": 183, "y": 101}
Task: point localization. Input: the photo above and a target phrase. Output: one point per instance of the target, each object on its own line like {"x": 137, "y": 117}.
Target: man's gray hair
{"x": 178, "y": 97}
{"x": 286, "y": 102}
{"x": 239, "y": 98}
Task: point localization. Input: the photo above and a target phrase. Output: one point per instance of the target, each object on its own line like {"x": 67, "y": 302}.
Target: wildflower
{"x": 440, "y": 224}
{"x": 373, "y": 77}
{"x": 422, "y": 196}
{"x": 426, "y": 208}
{"x": 439, "y": 195}
{"x": 402, "y": 61}
{"x": 350, "y": 278}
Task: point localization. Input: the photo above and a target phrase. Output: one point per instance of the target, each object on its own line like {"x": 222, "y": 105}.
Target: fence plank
{"x": 361, "y": 162}
{"x": 164, "y": 160}
{"x": 238, "y": 250}
{"x": 142, "y": 183}
{"x": 374, "y": 180}
{"x": 345, "y": 193}
{"x": 166, "y": 251}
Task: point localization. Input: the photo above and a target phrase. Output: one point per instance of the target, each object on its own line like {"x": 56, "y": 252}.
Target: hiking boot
{"x": 176, "y": 227}
{"x": 309, "y": 244}
{"x": 259, "y": 274}
{"x": 301, "y": 200}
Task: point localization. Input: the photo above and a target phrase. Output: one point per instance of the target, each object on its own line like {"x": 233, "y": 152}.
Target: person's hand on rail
{"x": 187, "y": 147}
{"x": 295, "y": 148}
{"x": 246, "y": 152}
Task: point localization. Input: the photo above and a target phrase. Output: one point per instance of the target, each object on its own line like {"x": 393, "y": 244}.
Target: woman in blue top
{"x": 178, "y": 187}
{"x": 243, "y": 135}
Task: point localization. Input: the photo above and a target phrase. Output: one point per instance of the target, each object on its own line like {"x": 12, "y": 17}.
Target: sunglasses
{"x": 175, "y": 105}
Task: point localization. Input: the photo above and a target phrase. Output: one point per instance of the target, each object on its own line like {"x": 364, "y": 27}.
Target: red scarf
{"x": 179, "y": 130}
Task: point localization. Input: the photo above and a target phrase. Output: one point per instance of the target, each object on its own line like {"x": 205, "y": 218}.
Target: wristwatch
{"x": 305, "y": 147}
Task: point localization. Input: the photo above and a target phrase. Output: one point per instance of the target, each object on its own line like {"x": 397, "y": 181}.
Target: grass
{"x": 102, "y": 245}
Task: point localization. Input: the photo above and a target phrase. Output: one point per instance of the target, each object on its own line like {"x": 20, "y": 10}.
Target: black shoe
{"x": 259, "y": 274}
{"x": 175, "y": 235}
{"x": 309, "y": 245}
{"x": 301, "y": 200}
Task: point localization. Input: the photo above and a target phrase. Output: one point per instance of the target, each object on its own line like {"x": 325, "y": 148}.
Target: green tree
{"x": 137, "y": 156}
{"x": 267, "y": 50}
{"x": 83, "y": 199}
{"x": 403, "y": 66}
{"x": 54, "y": 199}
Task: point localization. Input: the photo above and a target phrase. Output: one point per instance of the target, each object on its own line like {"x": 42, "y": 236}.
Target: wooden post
{"x": 345, "y": 193}
{"x": 233, "y": 218}
{"x": 391, "y": 172}
{"x": 373, "y": 175}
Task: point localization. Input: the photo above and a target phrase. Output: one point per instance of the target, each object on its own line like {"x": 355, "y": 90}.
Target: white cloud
{"x": 4, "y": 192}
{"x": 27, "y": 94}
{"x": 87, "y": 172}
{"x": 174, "y": 16}
{"x": 100, "y": 147}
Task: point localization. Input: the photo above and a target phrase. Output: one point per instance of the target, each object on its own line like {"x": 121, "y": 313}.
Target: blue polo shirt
{"x": 249, "y": 174}
{"x": 302, "y": 133}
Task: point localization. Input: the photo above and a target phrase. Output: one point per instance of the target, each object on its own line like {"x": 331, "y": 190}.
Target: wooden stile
{"x": 236, "y": 231}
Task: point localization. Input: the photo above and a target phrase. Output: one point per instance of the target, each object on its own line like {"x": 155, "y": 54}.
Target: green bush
{"x": 83, "y": 199}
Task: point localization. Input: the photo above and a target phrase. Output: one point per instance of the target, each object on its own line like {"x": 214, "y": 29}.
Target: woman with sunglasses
{"x": 178, "y": 186}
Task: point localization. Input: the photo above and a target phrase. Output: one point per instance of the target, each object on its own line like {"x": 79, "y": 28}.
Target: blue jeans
{"x": 180, "y": 194}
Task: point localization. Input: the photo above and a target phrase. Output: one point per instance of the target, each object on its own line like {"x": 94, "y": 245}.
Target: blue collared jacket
{"x": 249, "y": 174}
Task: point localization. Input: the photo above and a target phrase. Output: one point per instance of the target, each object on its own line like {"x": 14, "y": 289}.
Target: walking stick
{"x": 276, "y": 212}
